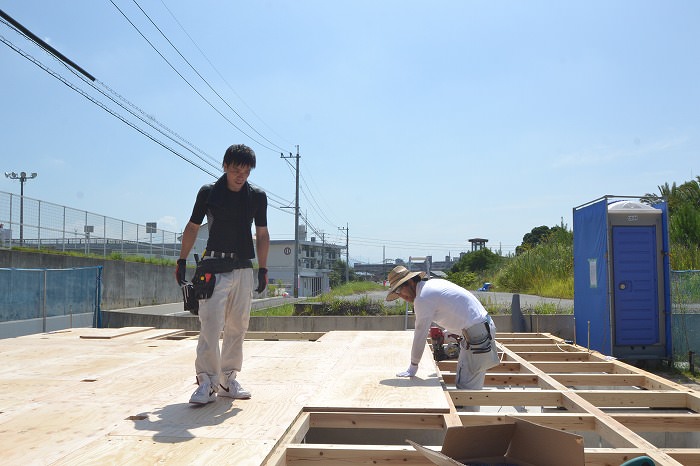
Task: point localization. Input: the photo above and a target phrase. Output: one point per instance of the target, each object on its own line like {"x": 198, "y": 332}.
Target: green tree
{"x": 536, "y": 236}
{"x": 477, "y": 261}
{"x": 337, "y": 274}
{"x": 672, "y": 194}
{"x": 684, "y": 225}
{"x": 683, "y": 211}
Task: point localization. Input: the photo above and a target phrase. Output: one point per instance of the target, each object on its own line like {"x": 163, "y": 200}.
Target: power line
{"x": 102, "y": 105}
{"x": 188, "y": 83}
{"x": 145, "y": 118}
{"x": 220, "y": 74}
{"x": 202, "y": 77}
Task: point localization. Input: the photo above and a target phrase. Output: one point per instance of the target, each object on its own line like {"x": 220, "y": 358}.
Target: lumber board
{"x": 109, "y": 333}
{"x": 376, "y": 420}
{"x": 602, "y": 380}
{"x": 500, "y": 380}
{"x": 552, "y": 356}
{"x": 122, "y": 398}
{"x": 577, "y": 367}
{"x": 118, "y": 450}
{"x": 274, "y": 336}
{"x": 506, "y": 398}
{"x": 561, "y": 421}
{"x": 342, "y": 455}
{"x": 669, "y": 422}
{"x": 635, "y": 398}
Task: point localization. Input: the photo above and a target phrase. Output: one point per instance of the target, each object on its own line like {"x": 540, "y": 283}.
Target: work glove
{"x": 262, "y": 280}
{"x": 412, "y": 369}
{"x": 180, "y": 271}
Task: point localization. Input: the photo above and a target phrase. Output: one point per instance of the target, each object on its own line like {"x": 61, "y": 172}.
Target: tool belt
{"x": 204, "y": 279}
{"x": 213, "y": 264}
{"x": 477, "y": 338}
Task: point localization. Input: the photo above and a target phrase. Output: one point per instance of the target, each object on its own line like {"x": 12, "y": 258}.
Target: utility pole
{"x": 296, "y": 223}
{"x": 323, "y": 249}
{"x": 347, "y": 251}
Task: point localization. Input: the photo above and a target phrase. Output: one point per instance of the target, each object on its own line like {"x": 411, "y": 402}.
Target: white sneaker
{"x": 205, "y": 393}
{"x": 234, "y": 390}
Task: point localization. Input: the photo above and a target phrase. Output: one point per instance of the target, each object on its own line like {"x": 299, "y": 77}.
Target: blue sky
{"x": 419, "y": 124}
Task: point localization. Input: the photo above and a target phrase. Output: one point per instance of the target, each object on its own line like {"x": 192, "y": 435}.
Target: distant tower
{"x": 478, "y": 243}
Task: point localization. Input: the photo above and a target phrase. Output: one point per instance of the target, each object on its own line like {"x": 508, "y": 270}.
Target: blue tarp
{"x": 591, "y": 302}
{"x": 38, "y": 293}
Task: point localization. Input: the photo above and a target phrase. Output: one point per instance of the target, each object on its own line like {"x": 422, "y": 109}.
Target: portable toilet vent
{"x": 621, "y": 279}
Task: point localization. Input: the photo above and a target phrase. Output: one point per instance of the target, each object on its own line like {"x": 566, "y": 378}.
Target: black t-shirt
{"x": 230, "y": 216}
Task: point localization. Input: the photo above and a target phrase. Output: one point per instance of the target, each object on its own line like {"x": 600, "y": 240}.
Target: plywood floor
{"x": 120, "y": 396}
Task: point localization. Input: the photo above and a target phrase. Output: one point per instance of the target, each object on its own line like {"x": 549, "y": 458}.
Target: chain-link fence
{"x": 685, "y": 306}
{"x": 38, "y": 224}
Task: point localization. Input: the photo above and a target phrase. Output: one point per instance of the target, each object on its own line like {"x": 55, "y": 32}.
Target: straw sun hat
{"x": 397, "y": 277}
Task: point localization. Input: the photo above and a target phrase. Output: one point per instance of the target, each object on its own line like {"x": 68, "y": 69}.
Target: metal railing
{"x": 51, "y": 226}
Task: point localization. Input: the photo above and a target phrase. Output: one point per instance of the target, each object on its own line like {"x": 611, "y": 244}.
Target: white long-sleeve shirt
{"x": 448, "y": 305}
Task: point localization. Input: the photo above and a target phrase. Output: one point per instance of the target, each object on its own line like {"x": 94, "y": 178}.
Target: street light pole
{"x": 22, "y": 177}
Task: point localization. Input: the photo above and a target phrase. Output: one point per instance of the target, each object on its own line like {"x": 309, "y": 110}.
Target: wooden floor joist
{"x": 120, "y": 396}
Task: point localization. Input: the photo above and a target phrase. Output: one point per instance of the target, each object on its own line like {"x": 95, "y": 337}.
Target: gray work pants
{"x": 472, "y": 365}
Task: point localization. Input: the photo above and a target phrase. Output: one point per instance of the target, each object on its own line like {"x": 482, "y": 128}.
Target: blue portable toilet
{"x": 622, "y": 299}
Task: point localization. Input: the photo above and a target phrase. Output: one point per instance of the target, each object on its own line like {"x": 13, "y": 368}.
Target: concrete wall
{"x": 124, "y": 284}
{"x": 559, "y": 325}
{"x": 18, "y": 328}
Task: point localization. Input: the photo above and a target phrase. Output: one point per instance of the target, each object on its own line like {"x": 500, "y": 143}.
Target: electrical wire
{"x": 187, "y": 82}
{"x": 202, "y": 77}
{"x": 281, "y": 203}
{"x": 101, "y": 104}
{"x": 143, "y": 117}
{"x": 221, "y": 76}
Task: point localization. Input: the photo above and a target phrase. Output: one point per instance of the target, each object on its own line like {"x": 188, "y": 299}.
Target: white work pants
{"x": 227, "y": 309}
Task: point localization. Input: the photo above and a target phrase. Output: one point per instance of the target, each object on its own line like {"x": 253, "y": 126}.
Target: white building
{"x": 314, "y": 263}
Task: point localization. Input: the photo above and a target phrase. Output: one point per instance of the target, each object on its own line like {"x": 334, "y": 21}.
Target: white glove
{"x": 412, "y": 369}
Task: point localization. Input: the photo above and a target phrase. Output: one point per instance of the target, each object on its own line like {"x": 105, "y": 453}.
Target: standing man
{"x": 454, "y": 309}
{"x": 231, "y": 205}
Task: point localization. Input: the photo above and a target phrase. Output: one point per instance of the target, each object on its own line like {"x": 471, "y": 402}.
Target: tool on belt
{"x": 191, "y": 303}
{"x": 478, "y": 338}
{"x": 442, "y": 348}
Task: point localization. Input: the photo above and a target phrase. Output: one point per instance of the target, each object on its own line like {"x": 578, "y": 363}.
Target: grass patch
{"x": 284, "y": 310}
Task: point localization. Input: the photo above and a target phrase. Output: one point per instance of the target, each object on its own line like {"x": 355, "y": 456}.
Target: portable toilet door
{"x": 637, "y": 281}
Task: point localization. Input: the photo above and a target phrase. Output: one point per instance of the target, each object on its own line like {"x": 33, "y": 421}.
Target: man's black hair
{"x": 239, "y": 154}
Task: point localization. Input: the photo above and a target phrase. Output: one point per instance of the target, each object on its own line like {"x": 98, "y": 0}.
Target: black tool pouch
{"x": 203, "y": 284}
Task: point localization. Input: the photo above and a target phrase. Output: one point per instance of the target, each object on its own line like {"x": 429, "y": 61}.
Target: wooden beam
{"x": 343, "y": 455}
{"x": 499, "y": 380}
{"x": 577, "y": 366}
{"x": 580, "y": 422}
{"x": 670, "y": 422}
{"x": 634, "y": 399}
{"x": 610, "y": 430}
{"x": 366, "y": 420}
{"x": 534, "y": 356}
{"x": 506, "y": 398}
{"x": 601, "y": 380}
